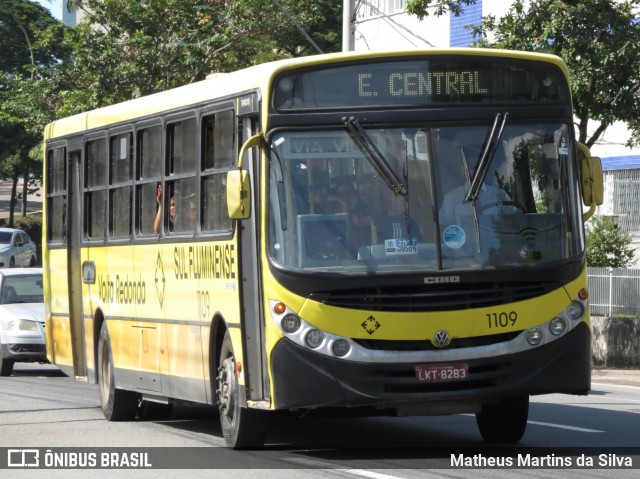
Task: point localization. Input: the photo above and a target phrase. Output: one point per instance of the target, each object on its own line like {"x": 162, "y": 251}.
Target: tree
{"x": 128, "y": 48}
{"x": 600, "y": 42}
{"x": 607, "y": 245}
{"x": 27, "y": 38}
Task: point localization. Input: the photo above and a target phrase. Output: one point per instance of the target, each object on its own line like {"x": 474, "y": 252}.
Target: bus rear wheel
{"x": 242, "y": 427}
{"x": 504, "y": 422}
{"x": 117, "y": 404}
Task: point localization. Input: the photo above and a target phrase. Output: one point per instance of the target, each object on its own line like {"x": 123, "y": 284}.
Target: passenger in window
{"x": 157, "y": 224}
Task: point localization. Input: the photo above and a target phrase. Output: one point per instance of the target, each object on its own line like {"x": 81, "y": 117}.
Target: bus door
{"x": 255, "y": 369}
{"x": 74, "y": 271}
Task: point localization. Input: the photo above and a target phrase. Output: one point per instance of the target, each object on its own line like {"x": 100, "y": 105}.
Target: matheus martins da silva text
{"x": 549, "y": 460}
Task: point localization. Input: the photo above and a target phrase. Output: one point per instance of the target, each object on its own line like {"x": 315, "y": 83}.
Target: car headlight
{"x": 20, "y": 325}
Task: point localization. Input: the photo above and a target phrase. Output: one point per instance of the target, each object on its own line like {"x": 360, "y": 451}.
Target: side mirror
{"x": 594, "y": 192}
{"x": 238, "y": 194}
{"x": 592, "y": 180}
{"x": 239, "y": 184}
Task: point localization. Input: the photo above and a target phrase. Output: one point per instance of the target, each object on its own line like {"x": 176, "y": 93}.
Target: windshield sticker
{"x": 454, "y": 237}
{"x": 398, "y": 246}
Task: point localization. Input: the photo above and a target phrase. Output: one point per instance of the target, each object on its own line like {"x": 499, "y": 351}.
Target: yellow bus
{"x": 395, "y": 233}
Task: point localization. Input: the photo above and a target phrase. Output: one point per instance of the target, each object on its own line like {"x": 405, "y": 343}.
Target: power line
{"x": 395, "y": 25}
{"x": 298, "y": 26}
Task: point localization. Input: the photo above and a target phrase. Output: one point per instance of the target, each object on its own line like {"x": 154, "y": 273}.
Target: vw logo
{"x": 441, "y": 339}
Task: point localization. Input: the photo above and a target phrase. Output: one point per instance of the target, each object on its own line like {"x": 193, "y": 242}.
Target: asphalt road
{"x": 44, "y": 410}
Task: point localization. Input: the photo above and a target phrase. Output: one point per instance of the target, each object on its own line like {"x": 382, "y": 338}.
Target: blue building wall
{"x": 458, "y": 35}
{"x": 629, "y": 162}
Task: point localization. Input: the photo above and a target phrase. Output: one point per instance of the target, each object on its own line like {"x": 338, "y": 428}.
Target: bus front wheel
{"x": 504, "y": 422}
{"x": 242, "y": 427}
{"x": 117, "y": 404}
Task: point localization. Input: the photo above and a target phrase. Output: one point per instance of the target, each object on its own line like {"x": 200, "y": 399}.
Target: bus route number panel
{"x": 442, "y": 372}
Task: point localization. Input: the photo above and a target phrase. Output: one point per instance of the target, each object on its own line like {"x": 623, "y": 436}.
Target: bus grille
{"x": 422, "y": 298}
{"x": 425, "y": 345}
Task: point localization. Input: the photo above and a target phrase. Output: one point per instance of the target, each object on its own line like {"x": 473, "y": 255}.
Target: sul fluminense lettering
{"x": 412, "y": 84}
{"x": 205, "y": 261}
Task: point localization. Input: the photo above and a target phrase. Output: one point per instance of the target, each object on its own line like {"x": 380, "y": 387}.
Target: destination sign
{"x": 435, "y": 81}
{"x": 422, "y": 84}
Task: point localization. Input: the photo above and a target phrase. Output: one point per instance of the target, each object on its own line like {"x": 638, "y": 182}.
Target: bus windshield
{"x": 333, "y": 209}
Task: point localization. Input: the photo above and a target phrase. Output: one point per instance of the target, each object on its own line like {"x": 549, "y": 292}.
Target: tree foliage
{"x": 607, "y": 245}
{"x": 424, "y": 8}
{"x": 30, "y": 42}
{"x": 600, "y": 42}
{"x": 130, "y": 48}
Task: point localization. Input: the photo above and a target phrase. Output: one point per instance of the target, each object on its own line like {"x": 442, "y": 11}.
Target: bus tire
{"x": 117, "y": 404}
{"x": 241, "y": 427}
{"x": 504, "y": 422}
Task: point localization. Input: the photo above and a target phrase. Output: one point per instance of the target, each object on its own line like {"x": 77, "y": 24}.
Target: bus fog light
{"x": 290, "y": 323}
{"x": 340, "y": 347}
{"x": 314, "y": 338}
{"x": 557, "y": 326}
{"x": 534, "y": 336}
{"x": 575, "y": 310}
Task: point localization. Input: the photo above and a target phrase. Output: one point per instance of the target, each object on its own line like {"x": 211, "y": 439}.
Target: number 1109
{"x": 502, "y": 320}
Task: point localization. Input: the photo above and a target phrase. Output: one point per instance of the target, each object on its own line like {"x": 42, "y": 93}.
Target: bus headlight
{"x": 534, "y": 336}
{"x": 308, "y": 336}
{"x": 557, "y": 326}
{"x": 314, "y": 338}
{"x": 575, "y": 310}
{"x": 340, "y": 347}
{"x": 290, "y": 323}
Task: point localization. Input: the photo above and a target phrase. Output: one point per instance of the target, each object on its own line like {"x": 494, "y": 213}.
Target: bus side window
{"x": 95, "y": 180}
{"x": 120, "y": 189}
{"x": 56, "y": 194}
{"x": 218, "y": 150}
{"x": 148, "y": 174}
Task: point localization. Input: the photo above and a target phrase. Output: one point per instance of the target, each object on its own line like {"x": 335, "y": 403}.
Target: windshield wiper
{"x": 373, "y": 154}
{"x": 486, "y": 155}
{"x": 474, "y": 211}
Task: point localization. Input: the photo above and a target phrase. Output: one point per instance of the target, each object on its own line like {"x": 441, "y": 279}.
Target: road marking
{"x": 557, "y": 426}
{"x": 334, "y": 467}
{"x": 615, "y": 385}
{"x": 369, "y": 474}
{"x": 563, "y": 426}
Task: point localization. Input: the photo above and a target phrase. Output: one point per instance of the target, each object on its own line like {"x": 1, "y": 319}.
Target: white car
{"x": 22, "y": 336}
{"x": 16, "y": 248}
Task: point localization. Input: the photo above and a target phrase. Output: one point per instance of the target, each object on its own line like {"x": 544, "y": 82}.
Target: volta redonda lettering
{"x": 413, "y": 84}
{"x": 122, "y": 289}
{"x": 205, "y": 261}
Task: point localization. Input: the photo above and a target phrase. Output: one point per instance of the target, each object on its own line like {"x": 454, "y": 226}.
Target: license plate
{"x": 442, "y": 372}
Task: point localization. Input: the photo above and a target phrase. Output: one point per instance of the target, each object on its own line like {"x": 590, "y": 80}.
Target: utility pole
{"x": 348, "y": 39}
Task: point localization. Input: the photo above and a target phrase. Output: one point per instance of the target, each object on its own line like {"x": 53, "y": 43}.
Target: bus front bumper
{"x": 303, "y": 379}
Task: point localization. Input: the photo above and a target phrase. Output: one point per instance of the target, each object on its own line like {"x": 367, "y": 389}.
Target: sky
{"x": 54, "y": 6}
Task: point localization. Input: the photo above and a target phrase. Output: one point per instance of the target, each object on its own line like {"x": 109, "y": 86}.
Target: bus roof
{"x": 258, "y": 77}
